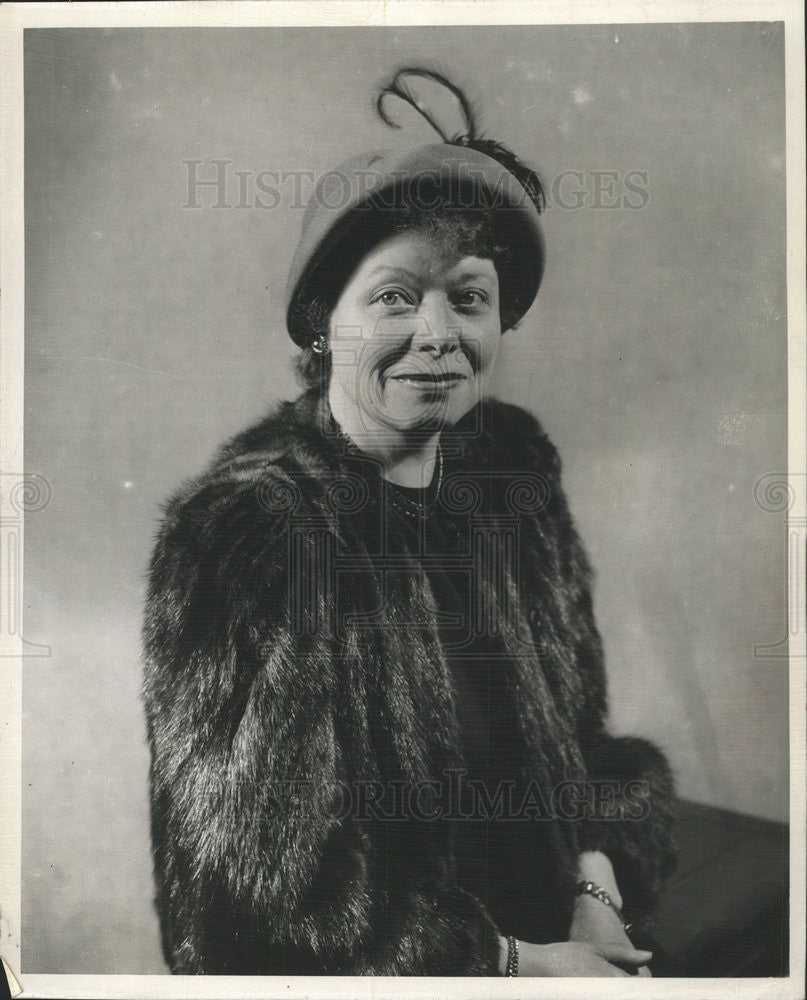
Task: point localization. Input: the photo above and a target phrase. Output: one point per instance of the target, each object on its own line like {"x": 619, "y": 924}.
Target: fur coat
{"x": 270, "y": 693}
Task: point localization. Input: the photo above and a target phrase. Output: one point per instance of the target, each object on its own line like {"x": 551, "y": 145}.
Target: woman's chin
{"x": 422, "y": 417}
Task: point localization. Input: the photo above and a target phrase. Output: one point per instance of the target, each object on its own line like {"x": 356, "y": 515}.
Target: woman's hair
{"x": 462, "y": 230}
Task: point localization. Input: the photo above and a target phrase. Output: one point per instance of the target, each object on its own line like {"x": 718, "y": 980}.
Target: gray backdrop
{"x": 655, "y": 356}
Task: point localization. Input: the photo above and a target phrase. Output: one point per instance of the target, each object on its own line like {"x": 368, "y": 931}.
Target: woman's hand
{"x": 595, "y": 923}
{"x": 579, "y": 958}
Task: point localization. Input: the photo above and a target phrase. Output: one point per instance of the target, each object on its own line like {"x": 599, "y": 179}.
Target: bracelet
{"x": 591, "y": 889}
{"x": 511, "y": 969}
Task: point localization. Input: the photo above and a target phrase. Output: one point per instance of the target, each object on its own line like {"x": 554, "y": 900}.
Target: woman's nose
{"x": 437, "y": 328}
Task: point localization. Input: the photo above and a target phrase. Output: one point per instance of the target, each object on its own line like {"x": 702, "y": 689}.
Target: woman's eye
{"x": 472, "y": 297}
{"x": 392, "y": 298}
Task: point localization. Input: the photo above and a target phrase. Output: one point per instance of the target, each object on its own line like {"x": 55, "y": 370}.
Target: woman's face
{"x": 414, "y": 334}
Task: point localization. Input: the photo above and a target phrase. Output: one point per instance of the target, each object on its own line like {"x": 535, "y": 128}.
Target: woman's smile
{"x": 430, "y": 378}
{"x": 428, "y": 382}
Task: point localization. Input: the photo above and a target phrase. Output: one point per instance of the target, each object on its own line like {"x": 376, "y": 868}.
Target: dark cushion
{"x": 725, "y": 911}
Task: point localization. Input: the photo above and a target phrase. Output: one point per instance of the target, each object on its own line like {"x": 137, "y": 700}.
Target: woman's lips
{"x": 428, "y": 380}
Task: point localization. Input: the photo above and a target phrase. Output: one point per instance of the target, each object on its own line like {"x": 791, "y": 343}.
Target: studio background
{"x": 655, "y": 357}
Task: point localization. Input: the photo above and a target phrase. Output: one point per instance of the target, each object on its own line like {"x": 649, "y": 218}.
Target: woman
{"x": 374, "y": 685}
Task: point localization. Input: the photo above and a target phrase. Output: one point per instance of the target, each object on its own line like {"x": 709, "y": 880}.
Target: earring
{"x": 319, "y": 345}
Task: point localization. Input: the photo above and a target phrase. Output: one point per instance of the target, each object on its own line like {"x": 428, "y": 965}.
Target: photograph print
{"x": 406, "y": 585}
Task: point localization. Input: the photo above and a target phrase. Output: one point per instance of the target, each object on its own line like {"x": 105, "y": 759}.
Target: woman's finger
{"x": 624, "y": 953}
{"x": 645, "y": 973}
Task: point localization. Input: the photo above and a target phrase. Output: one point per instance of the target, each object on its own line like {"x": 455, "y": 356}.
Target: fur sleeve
{"x": 631, "y": 784}
{"x": 257, "y": 872}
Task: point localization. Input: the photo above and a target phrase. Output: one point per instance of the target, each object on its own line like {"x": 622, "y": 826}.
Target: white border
{"x": 17, "y": 16}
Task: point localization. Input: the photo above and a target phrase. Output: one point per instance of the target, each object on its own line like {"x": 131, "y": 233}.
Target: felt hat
{"x": 346, "y": 216}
